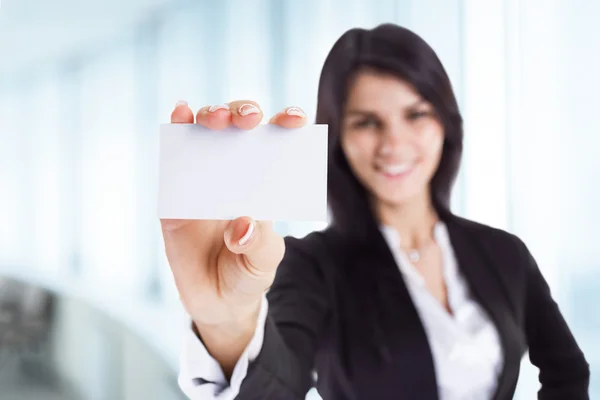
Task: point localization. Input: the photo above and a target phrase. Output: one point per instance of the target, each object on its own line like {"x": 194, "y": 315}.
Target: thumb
{"x": 262, "y": 247}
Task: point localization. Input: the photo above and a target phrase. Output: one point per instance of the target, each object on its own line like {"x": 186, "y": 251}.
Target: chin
{"x": 398, "y": 193}
{"x": 395, "y": 201}
{"x": 396, "y": 198}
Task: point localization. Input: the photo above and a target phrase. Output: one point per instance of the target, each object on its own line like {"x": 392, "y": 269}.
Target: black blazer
{"x": 346, "y": 313}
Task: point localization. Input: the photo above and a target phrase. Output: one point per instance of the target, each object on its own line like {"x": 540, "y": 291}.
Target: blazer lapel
{"x": 387, "y": 354}
{"x": 480, "y": 273}
{"x": 409, "y": 370}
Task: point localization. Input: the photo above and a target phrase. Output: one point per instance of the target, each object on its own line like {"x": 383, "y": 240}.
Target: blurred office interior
{"x": 88, "y": 309}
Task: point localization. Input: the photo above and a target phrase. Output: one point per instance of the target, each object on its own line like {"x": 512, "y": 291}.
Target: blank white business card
{"x": 268, "y": 173}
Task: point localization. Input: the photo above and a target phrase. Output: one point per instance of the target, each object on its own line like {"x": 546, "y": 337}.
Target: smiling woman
{"x": 393, "y": 138}
{"x": 399, "y": 297}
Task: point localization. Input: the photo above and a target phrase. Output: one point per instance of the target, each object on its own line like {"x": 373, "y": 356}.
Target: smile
{"x": 396, "y": 170}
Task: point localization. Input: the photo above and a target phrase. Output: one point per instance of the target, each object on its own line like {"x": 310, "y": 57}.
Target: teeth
{"x": 396, "y": 169}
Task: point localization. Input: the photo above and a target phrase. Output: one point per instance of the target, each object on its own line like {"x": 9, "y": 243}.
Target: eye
{"x": 415, "y": 115}
{"x": 368, "y": 122}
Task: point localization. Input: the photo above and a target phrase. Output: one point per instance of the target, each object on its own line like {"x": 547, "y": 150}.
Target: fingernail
{"x": 295, "y": 111}
{"x": 218, "y": 107}
{"x": 181, "y": 103}
{"x": 247, "y": 109}
{"x": 248, "y": 234}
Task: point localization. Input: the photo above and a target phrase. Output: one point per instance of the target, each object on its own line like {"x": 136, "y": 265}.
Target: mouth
{"x": 396, "y": 171}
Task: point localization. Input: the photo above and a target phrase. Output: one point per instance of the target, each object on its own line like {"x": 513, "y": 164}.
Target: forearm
{"x": 272, "y": 355}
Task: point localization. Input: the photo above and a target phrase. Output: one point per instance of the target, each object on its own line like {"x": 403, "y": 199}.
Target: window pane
{"x": 109, "y": 170}
{"x": 45, "y": 145}
{"x": 11, "y": 229}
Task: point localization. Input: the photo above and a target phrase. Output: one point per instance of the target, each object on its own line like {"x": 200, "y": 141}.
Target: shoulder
{"x": 501, "y": 250}
{"x": 319, "y": 243}
{"x": 309, "y": 246}
{"x": 503, "y": 254}
{"x": 308, "y": 250}
{"x": 491, "y": 238}
{"x": 305, "y": 263}
{"x": 324, "y": 250}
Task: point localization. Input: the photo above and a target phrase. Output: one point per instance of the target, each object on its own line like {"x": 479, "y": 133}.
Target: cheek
{"x": 352, "y": 150}
{"x": 431, "y": 144}
{"x": 358, "y": 149}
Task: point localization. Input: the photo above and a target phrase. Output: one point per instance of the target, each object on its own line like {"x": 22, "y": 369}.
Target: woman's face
{"x": 391, "y": 138}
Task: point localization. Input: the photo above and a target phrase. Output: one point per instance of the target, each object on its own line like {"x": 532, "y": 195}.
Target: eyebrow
{"x": 354, "y": 111}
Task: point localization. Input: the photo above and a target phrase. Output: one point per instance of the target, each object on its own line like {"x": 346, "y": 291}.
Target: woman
{"x": 398, "y": 298}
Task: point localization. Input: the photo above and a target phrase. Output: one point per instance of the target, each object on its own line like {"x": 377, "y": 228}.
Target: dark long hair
{"x": 398, "y": 51}
{"x": 393, "y": 50}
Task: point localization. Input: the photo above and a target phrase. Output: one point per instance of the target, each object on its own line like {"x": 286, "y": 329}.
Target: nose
{"x": 394, "y": 139}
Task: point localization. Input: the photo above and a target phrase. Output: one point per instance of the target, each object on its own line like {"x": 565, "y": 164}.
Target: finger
{"x": 215, "y": 117}
{"x": 245, "y": 114}
{"x": 290, "y": 117}
{"x": 182, "y": 114}
{"x": 261, "y": 246}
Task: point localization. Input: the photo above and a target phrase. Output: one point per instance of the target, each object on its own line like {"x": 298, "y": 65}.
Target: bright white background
{"x": 83, "y": 89}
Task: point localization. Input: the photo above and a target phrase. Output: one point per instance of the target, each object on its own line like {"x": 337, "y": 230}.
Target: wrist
{"x": 226, "y": 342}
{"x": 237, "y": 328}
{"x": 234, "y": 323}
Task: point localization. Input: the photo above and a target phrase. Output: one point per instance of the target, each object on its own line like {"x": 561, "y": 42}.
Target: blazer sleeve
{"x": 298, "y": 308}
{"x": 563, "y": 370}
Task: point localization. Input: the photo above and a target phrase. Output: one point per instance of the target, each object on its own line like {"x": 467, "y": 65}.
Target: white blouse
{"x": 465, "y": 344}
